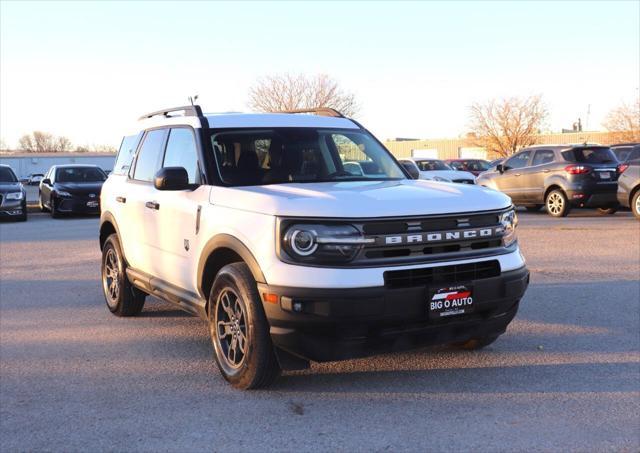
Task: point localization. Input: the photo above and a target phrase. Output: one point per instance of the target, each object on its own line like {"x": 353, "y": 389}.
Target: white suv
{"x": 257, "y": 224}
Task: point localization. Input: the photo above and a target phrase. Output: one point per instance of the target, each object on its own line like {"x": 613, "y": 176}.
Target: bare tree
{"x": 62, "y": 145}
{"x": 44, "y": 142}
{"x": 26, "y": 144}
{"x": 624, "y": 122}
{"x": 505, "y": 125}
{"x": 288, "y": 92}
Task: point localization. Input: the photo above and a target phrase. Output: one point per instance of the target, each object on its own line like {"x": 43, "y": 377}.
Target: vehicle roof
{"x": 566, "y": 146}
{"x": 74, "y": 165}
{"x": 247, "y": 120}
{"x": 624, "y": 145}
{"x": 459, "y": 159}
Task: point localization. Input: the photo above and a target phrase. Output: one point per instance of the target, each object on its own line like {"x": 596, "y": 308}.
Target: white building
{"x": 24, "y": 164}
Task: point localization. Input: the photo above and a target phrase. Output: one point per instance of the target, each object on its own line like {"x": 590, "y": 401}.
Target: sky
{"x": 88, "y": 70}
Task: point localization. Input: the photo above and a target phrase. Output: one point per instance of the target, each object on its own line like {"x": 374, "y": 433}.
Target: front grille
{"x": 458, "y": 273}
{"x": 397, "y": 241}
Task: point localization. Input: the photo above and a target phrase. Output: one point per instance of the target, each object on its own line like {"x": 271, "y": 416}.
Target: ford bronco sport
{"x": 254, "y": 223}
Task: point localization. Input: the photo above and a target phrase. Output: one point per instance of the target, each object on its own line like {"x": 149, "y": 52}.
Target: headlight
{"x": 62, "y": 193}
{"x": 322, "y": 244}
{"x": 14, "y": 196}
{"x": 509, "y": 221}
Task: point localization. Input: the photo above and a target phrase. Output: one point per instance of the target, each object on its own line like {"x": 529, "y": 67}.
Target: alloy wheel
{"x": 637, "y": 206}
{"x": 111, "y": 277}
{"x": 231, "y": 328}
{"x": 555, "y": 203}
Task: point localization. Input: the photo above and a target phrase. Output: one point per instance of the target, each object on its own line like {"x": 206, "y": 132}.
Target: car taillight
{"x": 622, "y": 168}
{"x": 577, "y": 169}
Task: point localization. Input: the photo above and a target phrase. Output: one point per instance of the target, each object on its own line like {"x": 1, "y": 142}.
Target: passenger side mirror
{"x": 172, "y": 178}
{"x": 46, "y": 181}
{"x": 500, "y": 168}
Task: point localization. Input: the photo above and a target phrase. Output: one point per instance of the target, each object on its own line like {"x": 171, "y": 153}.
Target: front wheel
{"x": 557, "y": 204}
{"x": 240, "y": 331}
{"x": 54, "y": 208}
{"x": 41, "y": 204}
{"x": 122, "y": 298}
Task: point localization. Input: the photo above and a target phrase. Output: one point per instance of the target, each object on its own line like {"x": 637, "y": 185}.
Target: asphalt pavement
{"x": 565, "y": 376}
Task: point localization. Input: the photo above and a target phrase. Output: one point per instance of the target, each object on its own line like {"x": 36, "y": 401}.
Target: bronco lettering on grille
{"x": 443, "y": 236}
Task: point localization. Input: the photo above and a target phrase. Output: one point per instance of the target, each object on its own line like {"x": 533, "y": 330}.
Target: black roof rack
{"x": 189, "y": 110}
{"x": 322, "y": 111}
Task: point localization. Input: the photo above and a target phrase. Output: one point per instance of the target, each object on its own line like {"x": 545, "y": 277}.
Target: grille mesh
{"x": 458, "y": 273}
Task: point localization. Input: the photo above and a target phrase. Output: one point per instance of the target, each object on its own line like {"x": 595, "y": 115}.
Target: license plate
{"x": 605, "y": 175}
{"x": 92, "y": 204}
{"x": 450, "y": 301}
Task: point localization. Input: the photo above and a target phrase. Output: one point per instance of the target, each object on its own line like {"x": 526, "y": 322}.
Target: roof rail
{"x": 189, "y": 110}
{"x": 322, "y": 111}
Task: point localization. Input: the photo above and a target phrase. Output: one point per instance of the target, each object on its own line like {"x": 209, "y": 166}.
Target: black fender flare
{"x": 106, "y": 216}
{"x": 227, "y": 241}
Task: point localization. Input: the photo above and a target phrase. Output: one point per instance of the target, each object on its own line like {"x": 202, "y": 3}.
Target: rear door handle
{"x": 121, "y": 199}
{"x": 152, "y": 205}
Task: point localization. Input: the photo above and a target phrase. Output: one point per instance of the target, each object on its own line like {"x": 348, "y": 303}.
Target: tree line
{"x": 500, "y": 125}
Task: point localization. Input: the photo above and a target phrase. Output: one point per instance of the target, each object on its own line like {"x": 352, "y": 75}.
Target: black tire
{"x": 476, "y": 343}
{"x": 534, "y": 208}
{"x": 23, "y": 217}
{"x": 236, "y": 318}
{"x": 635, "y": 204}
{"x": 608, "y": 211}
{"x": 122, "y": 298}
{"x": 557, "y": 204}
{"x": 53, "y": 209}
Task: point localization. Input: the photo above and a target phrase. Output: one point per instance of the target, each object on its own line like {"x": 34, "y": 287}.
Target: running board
{"x": 186, "y": 300}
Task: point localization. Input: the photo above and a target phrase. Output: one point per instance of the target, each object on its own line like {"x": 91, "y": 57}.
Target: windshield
{"x": 601, "y": 155}
{"x": 7, "y": 175}
{"x": 80, "y": 174}
{"x": 285, "y": 155}
{"x": 432, "y": 165}
{"x": 470, "y": 165}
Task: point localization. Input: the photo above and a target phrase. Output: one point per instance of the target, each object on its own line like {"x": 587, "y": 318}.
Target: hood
{"x": 449, "y": 174}
{"x": 6, "y": 187}
{"x": 80, "y": 187}
{"x": 362, "y": 199}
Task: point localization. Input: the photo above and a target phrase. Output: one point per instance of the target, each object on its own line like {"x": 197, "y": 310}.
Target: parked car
{"x": 626, "y": 151}
{"x": 437, "y": 170}
{"x": 13, "y": 197}
{"x": 473, "y": 166}
{"x": 251, "y": 222}
{"x": 34, "y": 179}
{"x": 558, "y": 176}
{"x": 71, "y": 189}
{"x": 629, "y": 186}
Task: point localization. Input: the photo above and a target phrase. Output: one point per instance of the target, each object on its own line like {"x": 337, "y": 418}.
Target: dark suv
{"x": 558, "y": 176}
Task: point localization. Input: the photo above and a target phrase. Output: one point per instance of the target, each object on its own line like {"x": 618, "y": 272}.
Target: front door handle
{"x": 121, "y": 199}
{"x": 517, "y": 174}
{"x": 546, "y": 171}
{"x": 152, "y": 205}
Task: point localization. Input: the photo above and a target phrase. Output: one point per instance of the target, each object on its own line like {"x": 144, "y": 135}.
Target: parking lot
{"x": 566, "y": 375}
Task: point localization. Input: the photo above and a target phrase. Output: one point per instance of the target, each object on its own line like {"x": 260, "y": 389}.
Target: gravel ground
{"x": 566, "y": 375}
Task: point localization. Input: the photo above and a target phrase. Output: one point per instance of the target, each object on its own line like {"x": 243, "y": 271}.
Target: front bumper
{"x": 12, "y": 208}
{"x": 78, "y": 205}
{"x": 623, "y": 197}
{"x": 339, "y": 324}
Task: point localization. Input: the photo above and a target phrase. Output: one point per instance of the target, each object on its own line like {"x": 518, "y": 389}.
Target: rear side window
{"x": 598, "y": 155}
{"x": 148, "y": 161}
{"x": 181, "y": 152}
{"x": 125, "y": 154}
{"x": 543, "y": 156}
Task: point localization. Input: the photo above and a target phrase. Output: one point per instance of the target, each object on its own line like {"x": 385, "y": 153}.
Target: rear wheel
{"x": 122, "y": 298}
{"x": 240, "y": 331}
{"x": 534, "y": 208}
{"x": 557, "y": 203}
{"x": 635, "y": 204}
{"x": 609, "y": 211}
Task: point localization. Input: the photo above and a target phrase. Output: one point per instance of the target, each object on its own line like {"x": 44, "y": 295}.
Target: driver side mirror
{"x": 46, "y": 181}
{"x": 501, "y": 168}
{"x": 172, "y": 178}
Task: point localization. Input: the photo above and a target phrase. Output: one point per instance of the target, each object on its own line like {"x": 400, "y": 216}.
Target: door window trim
{"x": 200, "y": 176}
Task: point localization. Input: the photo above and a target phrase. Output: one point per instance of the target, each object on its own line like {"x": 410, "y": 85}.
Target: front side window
{"x": 125, "y": 154}
{"x": 543, "y": 156}
{"x": 518, "y": 161}
{"x": 182, "y": 152}
{"x": 80, "y": 174}
{"x": 301, "y": 155}
{"x": 7, "y": 175}
{"x": 148, "y": 161}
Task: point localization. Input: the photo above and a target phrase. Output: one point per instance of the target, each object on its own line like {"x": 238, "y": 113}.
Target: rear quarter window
{"x": 601, "y": 155}
{"x": 125, "y": 154}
